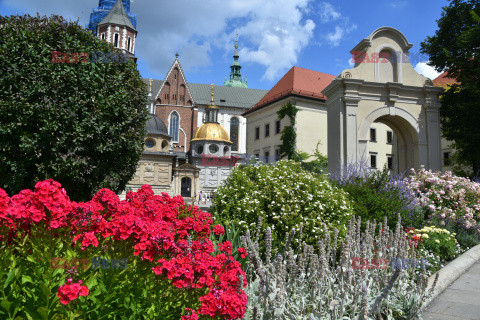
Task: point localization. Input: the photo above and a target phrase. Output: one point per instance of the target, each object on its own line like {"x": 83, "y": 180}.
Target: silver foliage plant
{"x": 321, "y": 282}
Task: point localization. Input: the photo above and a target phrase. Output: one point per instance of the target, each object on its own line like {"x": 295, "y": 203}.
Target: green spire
{"x": 236, "y": 79}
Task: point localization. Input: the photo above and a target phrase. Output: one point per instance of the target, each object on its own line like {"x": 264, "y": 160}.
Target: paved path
{"x": 461, "y": 300}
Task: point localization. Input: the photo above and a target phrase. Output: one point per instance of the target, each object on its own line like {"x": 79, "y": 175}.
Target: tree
{"x": 63, "y": 116}
{"x": 289, "y": 136}
{"x": 456, "y": 47}
{"x": 319, "y": 163}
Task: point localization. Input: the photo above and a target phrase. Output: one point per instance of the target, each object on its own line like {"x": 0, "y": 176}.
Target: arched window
{"x": 387, "y": 66}
{"x": 174, "y": 118}
{"x": 234, "y": 133}
{"x": 115, "y": 40}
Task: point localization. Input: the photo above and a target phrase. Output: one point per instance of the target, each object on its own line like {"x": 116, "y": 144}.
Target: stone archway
{"x": 361, "y": 96}
{"x": 411, "y": 142}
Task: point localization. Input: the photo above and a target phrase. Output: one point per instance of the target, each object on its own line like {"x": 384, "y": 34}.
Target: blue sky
{"x": 274, "y": 35}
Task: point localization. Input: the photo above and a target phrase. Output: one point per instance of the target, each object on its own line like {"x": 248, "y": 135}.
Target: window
{"x": 373, "y": 135}
{"x": 389, "y": 137}
{"x": 149, "y": 143}
{"x": 267, "y": 130}
{"x": 129, "y": 42}
{"x": 103, "y": 36}
{"x": 234, "y": 133}
{"x": 115, "y": 40}
{"x": 174, "y": 117}
{"x": 277, "y": 127}
{"x": 277, "y": 154}
{"x": 267, "y": 156}
{"x": 213, "y": 148}
{"x": 447, "y": 161}
{"x": 200, "y": 149}
{"x": 257, "y": 155}
{"x": 257, "y": 133}
{"x": 373, "y": 160}
{"x": 225, "y": 150}
{"x": 389, "y": 162}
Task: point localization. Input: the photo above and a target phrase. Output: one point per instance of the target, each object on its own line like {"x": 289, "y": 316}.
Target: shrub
{"x": 172, "y": 268}
{"x": 440, "y": 242}
{"x": 447, "y": 198}
{"x": 379, "y": 194}
{"x": 326, "y": 282}
{"x": 285, "y": 196}
{"x": 82, "y": 124}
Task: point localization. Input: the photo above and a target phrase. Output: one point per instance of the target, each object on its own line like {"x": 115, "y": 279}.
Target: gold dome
{"x": 212, "y": 131}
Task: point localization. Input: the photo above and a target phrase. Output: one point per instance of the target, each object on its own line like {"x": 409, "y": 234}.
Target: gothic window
{"x": 167, "y": 92}
{"x": 115, "y": 40}
{"x": 174, "y": 126}
{"x": 234, "y": 133}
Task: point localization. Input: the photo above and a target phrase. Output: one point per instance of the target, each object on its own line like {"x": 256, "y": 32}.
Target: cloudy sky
{"x": 274, "y": 35}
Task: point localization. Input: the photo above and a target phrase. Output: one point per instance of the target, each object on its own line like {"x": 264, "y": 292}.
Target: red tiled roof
{"x": 443, "y": 80}
{"x": 297, "y": 81}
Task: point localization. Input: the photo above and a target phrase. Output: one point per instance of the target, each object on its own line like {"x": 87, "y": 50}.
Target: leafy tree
{"x": 289, "y": 136}
{"x": 319, "y": 163}
{"x": 455, "y": 47}
{"x": 78, "y": 122}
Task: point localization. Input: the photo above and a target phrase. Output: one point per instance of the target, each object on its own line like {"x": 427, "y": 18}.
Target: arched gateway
{"x": 383, "y": 87}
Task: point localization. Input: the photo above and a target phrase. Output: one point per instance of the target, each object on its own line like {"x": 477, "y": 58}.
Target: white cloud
{"x": 273, "y": 32}
{"x": 426, "y": 70}
{"x": 328, "y": 14}
{"x": 278, "y": 33}
{"x": 397, "y": 4}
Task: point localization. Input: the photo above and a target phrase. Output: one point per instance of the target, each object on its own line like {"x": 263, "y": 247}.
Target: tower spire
{"x": 211, "y": 111}
{"x": 235, "y": 79}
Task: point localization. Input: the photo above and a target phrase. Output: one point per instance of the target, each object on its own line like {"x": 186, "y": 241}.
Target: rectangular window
{"x": 267, "y": 130}
{"x": 257, "y": 156}
{"x": 103, "y": 36}
{"x": 389, "y": 137}
{"x": 447, "y": 161}
{"x": 389, "y": 162}
{"x": 373, "y": 160}
{"x": 129, "y": 43}
{"x": 267, "y": 156}
{"x": 277, "y": 127}
{"x": 257, "y": 133}
{"x": 115, "y": 40}
{"x": 373, "y": 135}
{"x": 277, "y": 154}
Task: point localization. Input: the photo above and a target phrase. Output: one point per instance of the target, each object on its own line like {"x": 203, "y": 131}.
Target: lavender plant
{"x": 376, "y": 194}
{"x": 326, "y": 282}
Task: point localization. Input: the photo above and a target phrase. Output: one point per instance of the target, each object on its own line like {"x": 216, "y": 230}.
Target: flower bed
{"x": 173, "y": 270}
{"x": 447, "y": 197}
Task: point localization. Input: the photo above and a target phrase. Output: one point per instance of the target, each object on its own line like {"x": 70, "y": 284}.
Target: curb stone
{"x": 451, "y": 272}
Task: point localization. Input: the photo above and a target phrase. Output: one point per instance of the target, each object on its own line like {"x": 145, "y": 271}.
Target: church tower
{"x": 235, "y": 74}
{"x": 211, "y": 139}
{"x": 104, "y": 7}
{"x": 116, "y": 28}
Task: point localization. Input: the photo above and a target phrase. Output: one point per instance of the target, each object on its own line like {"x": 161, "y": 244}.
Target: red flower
{"x": 172, "y": 236}
{"x": 226, "y": 247}
{"x": 70, "y": 291}
{"x": 242, "y": 252}
{"x": 218, "y": 230}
